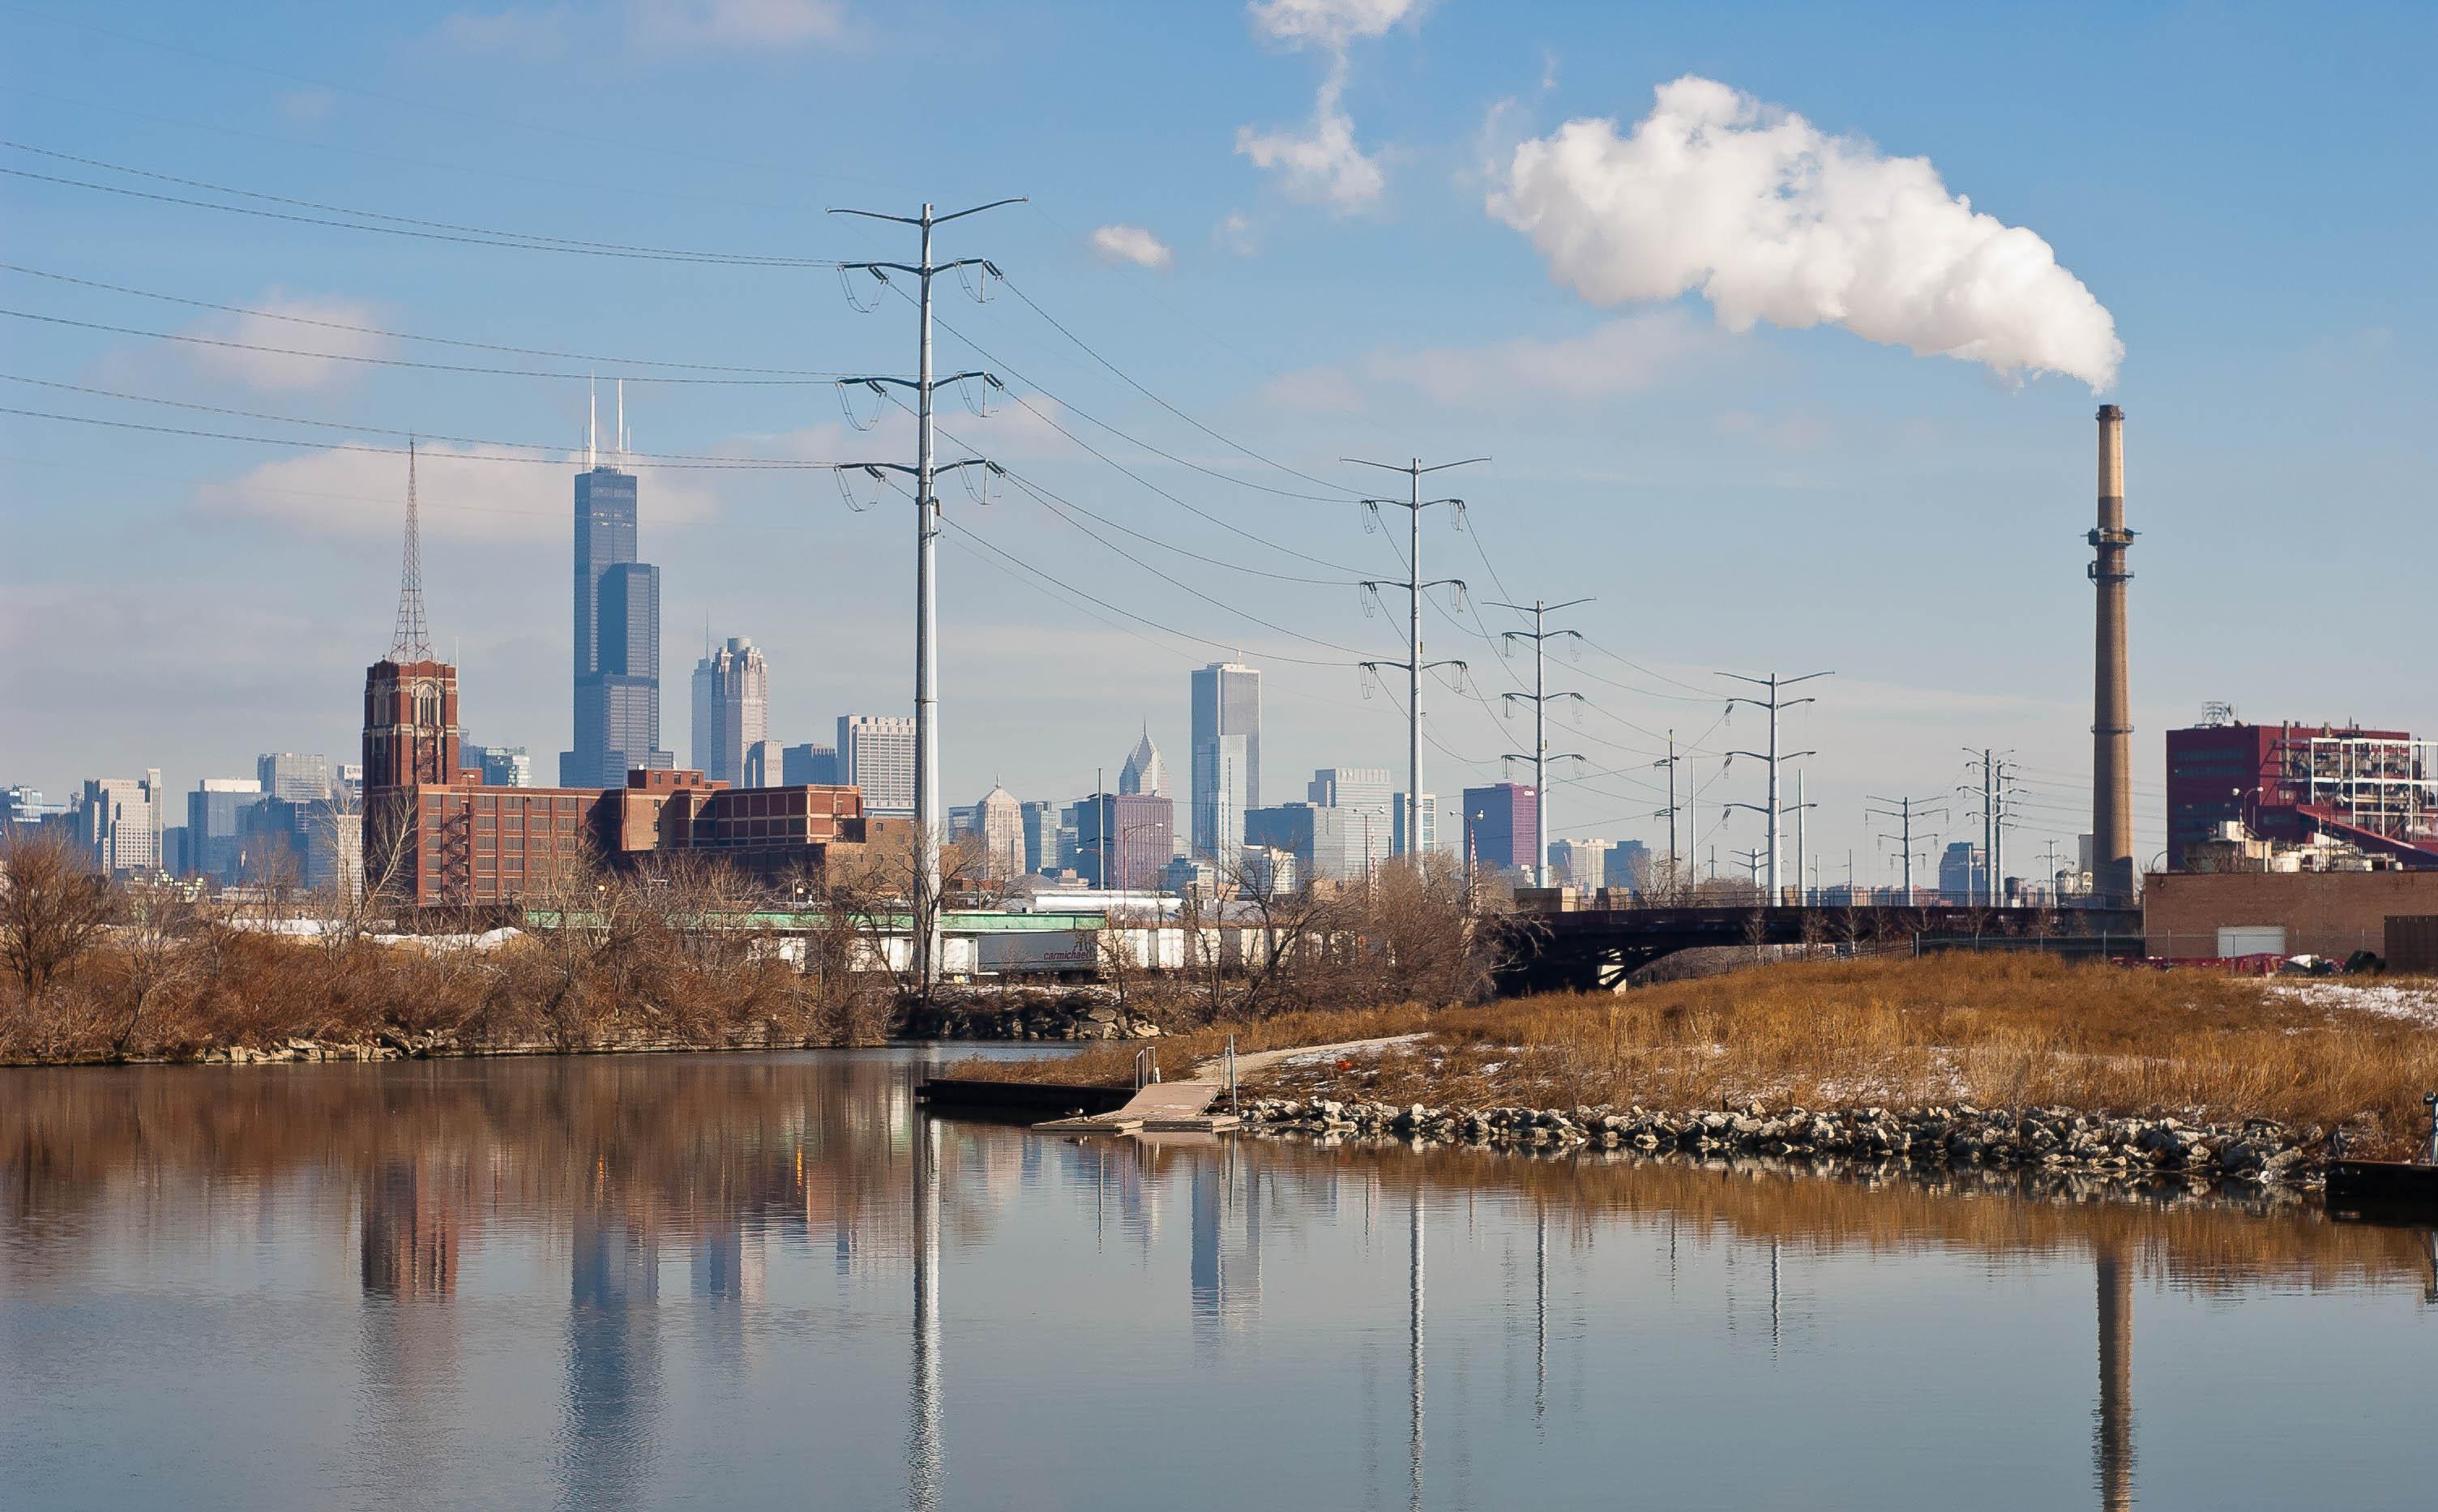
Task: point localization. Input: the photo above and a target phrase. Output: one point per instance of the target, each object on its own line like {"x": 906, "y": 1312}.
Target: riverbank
{"x": 1916, "y": 1038}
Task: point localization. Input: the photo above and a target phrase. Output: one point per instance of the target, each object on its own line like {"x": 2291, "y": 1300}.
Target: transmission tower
{"x": 1773, "y": 703}
{"x": 1414, "y": 504}
{"x": 1671, "y": 811}
{"x": 1538, "y": 698}
{"x": 413, "y": 642}
{"x": 929, "y": 829}
{"x": 1904, "y": 812}
{"x": 1992, "y": 794}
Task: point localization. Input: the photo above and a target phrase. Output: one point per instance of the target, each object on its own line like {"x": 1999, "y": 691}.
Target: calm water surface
{"x": 760, "y": 1281}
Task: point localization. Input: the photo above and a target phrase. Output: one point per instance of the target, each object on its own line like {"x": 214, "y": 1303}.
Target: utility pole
{"x": 929, "y": 828}
{"x": 1799, "y": 806}
{"x": 1413, "y": 504}
{"x": 1752, "y": 860}
{"x": 1904, "y": 814}
{"x": 1994, "y": 796}
{"x": 1671, "y": 811}
{"x": 1773, "y": 703}
{"x": 1538, "y": 698}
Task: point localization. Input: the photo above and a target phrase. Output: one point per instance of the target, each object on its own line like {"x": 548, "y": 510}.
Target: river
{"x": 751, "y": 1280}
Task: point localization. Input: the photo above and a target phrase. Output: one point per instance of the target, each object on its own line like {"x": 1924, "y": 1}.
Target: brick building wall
{"x": 2323, "y": 913}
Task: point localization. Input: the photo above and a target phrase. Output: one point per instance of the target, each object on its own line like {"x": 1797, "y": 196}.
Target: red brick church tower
{"x": 410, "y": 730}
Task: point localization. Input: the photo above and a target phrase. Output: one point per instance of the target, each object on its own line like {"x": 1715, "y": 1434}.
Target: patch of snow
{"x": 2416, "y": 1005}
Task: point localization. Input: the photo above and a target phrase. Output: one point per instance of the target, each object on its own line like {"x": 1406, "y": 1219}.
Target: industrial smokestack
{"x": 2112, "y": 718}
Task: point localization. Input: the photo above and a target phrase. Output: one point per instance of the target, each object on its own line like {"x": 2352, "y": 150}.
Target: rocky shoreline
{"x": 1958, "y": 1137}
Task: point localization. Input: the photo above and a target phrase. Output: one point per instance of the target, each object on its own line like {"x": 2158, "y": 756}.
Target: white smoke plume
{"x": 1772, "y": 219}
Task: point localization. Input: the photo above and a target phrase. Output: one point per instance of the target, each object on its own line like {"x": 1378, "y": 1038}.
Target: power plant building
{"x": 2375, "y": 790}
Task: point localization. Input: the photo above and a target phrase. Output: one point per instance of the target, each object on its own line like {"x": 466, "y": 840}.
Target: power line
{"x": 411, "y": 336}
{"x": 389, "y": 452}
{"x": 192, "y": 339}
{"x": 780, "y": 462}
{"x": 397, "y": 225}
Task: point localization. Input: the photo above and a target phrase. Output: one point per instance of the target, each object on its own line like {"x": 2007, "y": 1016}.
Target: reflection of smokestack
{"x": 2111, "y": 719}
{"x": 2113, "y": 1439}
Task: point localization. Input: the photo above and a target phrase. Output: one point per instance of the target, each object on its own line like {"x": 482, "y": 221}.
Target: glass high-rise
{"x": 617, "y": 661}
{"x": 1226, "y": 779}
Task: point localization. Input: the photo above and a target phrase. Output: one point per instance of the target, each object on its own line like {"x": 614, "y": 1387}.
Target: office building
{"x": 876, "y": 755}
{"x": 1498, "y": 826}
{"x": 216, "y": 815}
{"x": 999, "y": 825}
{"x": 732, "y": 708}
{"x": 26, "y": 806}
{"x": 1369, "y": 788}
{"x": 765, "y": 764}
{"x": 1225, "y": 780}
{"x": 1963, "y": 873}
{"x": 501, "y": 765}
{"x": 808, "y": 765}
{"x": 292, "y": 775}
{"x": 1335, "y": 844}
{"x": 1581, "y": 864}
{"x": 1145, "y": 774}
{"x": 1428, "y": 810}
{"x": 120, "y": 822}
{"x": 1629, "y": 865}
{"x": 1124, "y": 840}
{"x": 1040, "y": 822}
{"x": 617, "y": 641}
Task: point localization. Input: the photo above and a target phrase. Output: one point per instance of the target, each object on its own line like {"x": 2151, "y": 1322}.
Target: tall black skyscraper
{"x": 617, "y": 633}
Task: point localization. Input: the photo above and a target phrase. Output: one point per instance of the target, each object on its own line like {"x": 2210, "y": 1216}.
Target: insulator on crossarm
{"x": 1363, "y": 595}
{"x": 847, "y": 489}
{"x": 976, "y": 280}
{"x": 1371, "y": 518}
{"x": 1456, "y": 598}
{"x": 1456, "y": 512}
{"x": 856, "y": 302}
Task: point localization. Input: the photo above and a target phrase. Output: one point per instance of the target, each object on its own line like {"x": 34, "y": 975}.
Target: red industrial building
{"x": 470, "y": 844}
{"x": 2374, "y": 789}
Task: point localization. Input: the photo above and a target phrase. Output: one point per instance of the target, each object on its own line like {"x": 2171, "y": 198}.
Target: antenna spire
{"x": 593, "y": 426}
{"x": 414, "y": 639}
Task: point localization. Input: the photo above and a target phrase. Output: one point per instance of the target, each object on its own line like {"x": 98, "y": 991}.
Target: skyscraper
{"x": 1000, "y": 823}
{"x": 120, "y": 820}
{"x": 216, "y": 812}
{"x": 1227, "y": 776}
{"x": 876, "y": 753}
{"x": 1498, "y": 826}
{"x": 1144, "y": 772}
{"x": 617, "y": 641}
{"x": 292, "y": 775}
{"x": 1040, "y": 836}
{"x": 732, "y": 708}
{"x": 1429, "y": 811}
{"x": 809, "y": 766}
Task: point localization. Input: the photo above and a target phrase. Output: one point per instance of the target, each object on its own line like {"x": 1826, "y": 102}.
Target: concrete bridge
{"x": 1594, "y": 950}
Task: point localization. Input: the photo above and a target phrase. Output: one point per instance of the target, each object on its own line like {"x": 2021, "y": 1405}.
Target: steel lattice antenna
{"x": 413, "y": 639}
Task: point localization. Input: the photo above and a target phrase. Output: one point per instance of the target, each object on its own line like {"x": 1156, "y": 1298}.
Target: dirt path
{"x": 1264, "y": 1059}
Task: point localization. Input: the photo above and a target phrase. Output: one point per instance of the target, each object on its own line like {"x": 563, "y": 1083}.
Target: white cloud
{"x": 1319, "y": 163}
{"x": 1126, "y": 243}
{"x": 1329, "y": 24}
{"x": 546, "y": 32}
{"x": 1771, "y": 219}
{"x": 1236, "y": 234}
{"x": 361, "y": 494}
{"x": 736, "y": 23}
{"x": 1626, "y": 356}
{"x": 303, "y": 352}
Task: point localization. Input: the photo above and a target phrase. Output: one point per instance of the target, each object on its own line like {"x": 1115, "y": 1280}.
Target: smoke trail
{"x": 1771, "y": 219}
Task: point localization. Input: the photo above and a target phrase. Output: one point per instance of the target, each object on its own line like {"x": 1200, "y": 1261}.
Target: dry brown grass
{"x": 2007, "y": 1030}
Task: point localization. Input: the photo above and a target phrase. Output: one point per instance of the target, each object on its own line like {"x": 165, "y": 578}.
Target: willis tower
{"x": 617, "y": 629}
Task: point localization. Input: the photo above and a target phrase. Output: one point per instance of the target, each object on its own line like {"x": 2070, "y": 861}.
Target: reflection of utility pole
{"x": 1540, "y": 1312}
{"x": 924, "y": 1465}
{"x": 2113, "y": 1438}
{"x": 1414, "y": 1324}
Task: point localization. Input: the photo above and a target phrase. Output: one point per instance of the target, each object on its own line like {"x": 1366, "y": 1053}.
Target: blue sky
{"x": 2237, "y": 188}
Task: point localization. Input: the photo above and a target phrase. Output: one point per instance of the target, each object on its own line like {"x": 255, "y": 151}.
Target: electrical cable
{"x": 192, "y": 339}
{"x": 393, "y": 452}
{"x": 804, "y": 374}
{"x": 400, "y": 226}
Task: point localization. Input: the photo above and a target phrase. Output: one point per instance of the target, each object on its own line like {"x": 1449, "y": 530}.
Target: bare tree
{"x": 52, "y": 911}
{"x": 157, "y": 934}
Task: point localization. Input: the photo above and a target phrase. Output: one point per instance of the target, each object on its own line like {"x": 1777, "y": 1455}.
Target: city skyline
{"x": 1623, "y": 433}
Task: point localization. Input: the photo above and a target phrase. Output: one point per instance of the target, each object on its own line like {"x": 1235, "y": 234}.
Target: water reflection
{"x": 834, "y": 1242}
